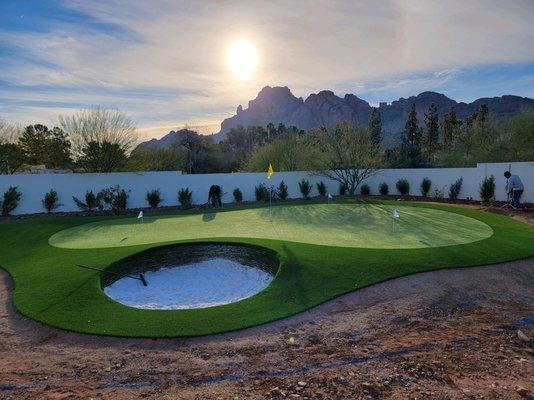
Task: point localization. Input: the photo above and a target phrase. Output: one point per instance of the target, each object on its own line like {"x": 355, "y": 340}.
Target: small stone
{"x": 522, "y": 336}
{"x": 301, "y": 383}
{"x": 467, "y": 392}
{"x": 523, "y": 392}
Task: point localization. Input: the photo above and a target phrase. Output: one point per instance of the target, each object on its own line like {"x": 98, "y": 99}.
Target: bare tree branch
{"x": 99, "y": 125}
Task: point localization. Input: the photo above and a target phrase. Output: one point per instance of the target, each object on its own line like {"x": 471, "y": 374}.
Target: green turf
{"x": 50, "y": 289}
{"x": 368, "y": 225}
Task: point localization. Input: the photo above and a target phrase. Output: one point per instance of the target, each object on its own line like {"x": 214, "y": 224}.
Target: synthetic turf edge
{"x": 51, "y": 290}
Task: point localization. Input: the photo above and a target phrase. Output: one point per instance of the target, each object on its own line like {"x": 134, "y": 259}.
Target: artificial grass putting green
{"x": 50, "y": 289}
{"x": 368, "y": 225}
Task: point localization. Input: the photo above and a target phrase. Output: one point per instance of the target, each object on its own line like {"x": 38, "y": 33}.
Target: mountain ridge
{"x": 278, "y": 105}
{"x": 326, "y": 108}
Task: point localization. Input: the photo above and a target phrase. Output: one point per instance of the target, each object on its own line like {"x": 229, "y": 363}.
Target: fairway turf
{"x": 368, "y": 225}
{"x": 50, "y": 289}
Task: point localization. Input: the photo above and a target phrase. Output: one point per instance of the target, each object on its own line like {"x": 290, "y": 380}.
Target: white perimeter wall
{"x": 33, "y": 187}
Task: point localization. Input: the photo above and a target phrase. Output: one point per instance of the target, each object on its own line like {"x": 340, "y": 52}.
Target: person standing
{"x": 514, "y": 187}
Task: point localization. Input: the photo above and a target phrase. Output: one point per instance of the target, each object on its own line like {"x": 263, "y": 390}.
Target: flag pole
{"x": 270, "y": 203}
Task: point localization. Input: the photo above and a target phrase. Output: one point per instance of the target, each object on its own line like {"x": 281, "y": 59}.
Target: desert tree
{"x": 291, "y": 152}
{"x": 99, "y": 125}
{"x": 350, "y": 155}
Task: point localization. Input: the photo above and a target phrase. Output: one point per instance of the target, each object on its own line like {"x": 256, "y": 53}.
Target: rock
{"x": 301, "y": 383}
{"x": 522, "y": 336}
{"x": 523, "y": 392}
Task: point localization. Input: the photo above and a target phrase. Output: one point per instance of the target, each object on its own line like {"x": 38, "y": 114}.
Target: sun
{"x": 242, "y": 59}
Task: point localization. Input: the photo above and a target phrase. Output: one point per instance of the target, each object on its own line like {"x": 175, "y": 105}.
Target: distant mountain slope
{"x": 278, "y": 104}
{"x": 171, "y": 139}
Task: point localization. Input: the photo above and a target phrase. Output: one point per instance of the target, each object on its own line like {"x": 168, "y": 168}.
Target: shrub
{"x": 426, "y": 184}
{"x": 365, "y": 190}
{"x": 154, "y": 198}
{"x": 261, "y": 192}
{"x": 321, "y": 188}
{"x": 305, "y": 188}
{"x": 11, "y": 200}
{"x": 184, "y": 197}
{"x": 282, "y": 191}
{"x": 487, "y": 189}
{"x": 92, "y": 202}
{"x": 115, "y": 197}
{"x": 383, "y": 189}
{"x": 238, "y": 196}
{"x": 403, "y": 187}
{"x": 455, "y": 189}
{"x": 342, "y": 189}
{"x": 438, "y": 193}
{"x": 50, "y": 201}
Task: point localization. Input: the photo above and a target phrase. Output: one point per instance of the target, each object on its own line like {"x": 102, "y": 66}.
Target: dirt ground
{"x": 451, "y": 334}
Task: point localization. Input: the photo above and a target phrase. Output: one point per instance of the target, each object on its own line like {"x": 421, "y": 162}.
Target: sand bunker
{"x": 202, "y": 284}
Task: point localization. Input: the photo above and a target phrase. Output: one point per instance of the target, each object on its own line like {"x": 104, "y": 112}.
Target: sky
{"x": 163, "y": 62}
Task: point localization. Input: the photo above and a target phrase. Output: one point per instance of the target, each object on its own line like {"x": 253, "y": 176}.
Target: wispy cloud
{"x": 163, "y": 61}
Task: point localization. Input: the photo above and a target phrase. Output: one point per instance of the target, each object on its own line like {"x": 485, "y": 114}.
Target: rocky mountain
{"x": 278, "y": 104}
{"x": 171, "y": 139}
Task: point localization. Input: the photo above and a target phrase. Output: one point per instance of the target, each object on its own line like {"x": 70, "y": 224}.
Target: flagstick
{"x": 270, "y": 203}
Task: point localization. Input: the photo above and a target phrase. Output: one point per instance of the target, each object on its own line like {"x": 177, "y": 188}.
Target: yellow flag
{"x": 270, "y": 171}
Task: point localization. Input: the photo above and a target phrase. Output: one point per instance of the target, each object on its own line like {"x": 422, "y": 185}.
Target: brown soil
{"x": 450, "y": 334}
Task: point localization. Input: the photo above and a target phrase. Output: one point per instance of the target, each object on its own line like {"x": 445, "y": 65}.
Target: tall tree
{"x": 412, "y": 133}
{"x": 430, "y": 141}
{"x": 102, "y": 157}
{"x": 375, "y": 126}
{"x": 99, "y": 125}
{"x": 449, "y": 128}
{"x": 11, "y": 158}
{"x": 41, "y": 145}
{"x": 193, "y": 143}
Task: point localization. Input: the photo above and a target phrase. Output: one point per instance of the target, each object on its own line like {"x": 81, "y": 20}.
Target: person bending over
{"x": 514, "y": 187}
{"x": 215, "y": 196}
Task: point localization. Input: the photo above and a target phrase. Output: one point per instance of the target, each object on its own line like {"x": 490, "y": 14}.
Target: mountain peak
{"x": 278, "y": 105}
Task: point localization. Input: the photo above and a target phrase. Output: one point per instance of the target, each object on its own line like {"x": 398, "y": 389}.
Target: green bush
{"x": 92, "y": 202}
{"x": 184, "y": 197}
{"x": 305, "y": 188}
{"x": 154, "y": 198}
{"x": 403, "y": 187}
{"x": 50, "y": 201}
{"x": 115, "y": 197}
{"x": 321, "y": 188}
{"x": 383, "y": 189}
{"x": 487, "y": 189}
{"x": 282, "y": 191}
{"x": 261, "y": 192}
{"x": 11, "y": 200}
{"x": 455, "y": 189}
{"x": 426, "y": 185}
{"x": 238, "y": 195}
{"x": 365, "y": 190}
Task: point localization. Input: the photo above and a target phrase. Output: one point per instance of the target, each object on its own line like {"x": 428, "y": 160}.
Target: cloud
{"x": 164, "y": 60}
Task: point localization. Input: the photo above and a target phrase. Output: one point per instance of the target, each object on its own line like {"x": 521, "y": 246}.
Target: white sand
{"x": 204, "y": 284}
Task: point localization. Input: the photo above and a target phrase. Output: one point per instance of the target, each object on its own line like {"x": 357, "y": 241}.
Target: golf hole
{"x": 190, "y": 276}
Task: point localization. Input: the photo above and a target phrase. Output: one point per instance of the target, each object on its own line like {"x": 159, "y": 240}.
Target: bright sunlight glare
{"x": 242, "y": 59}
